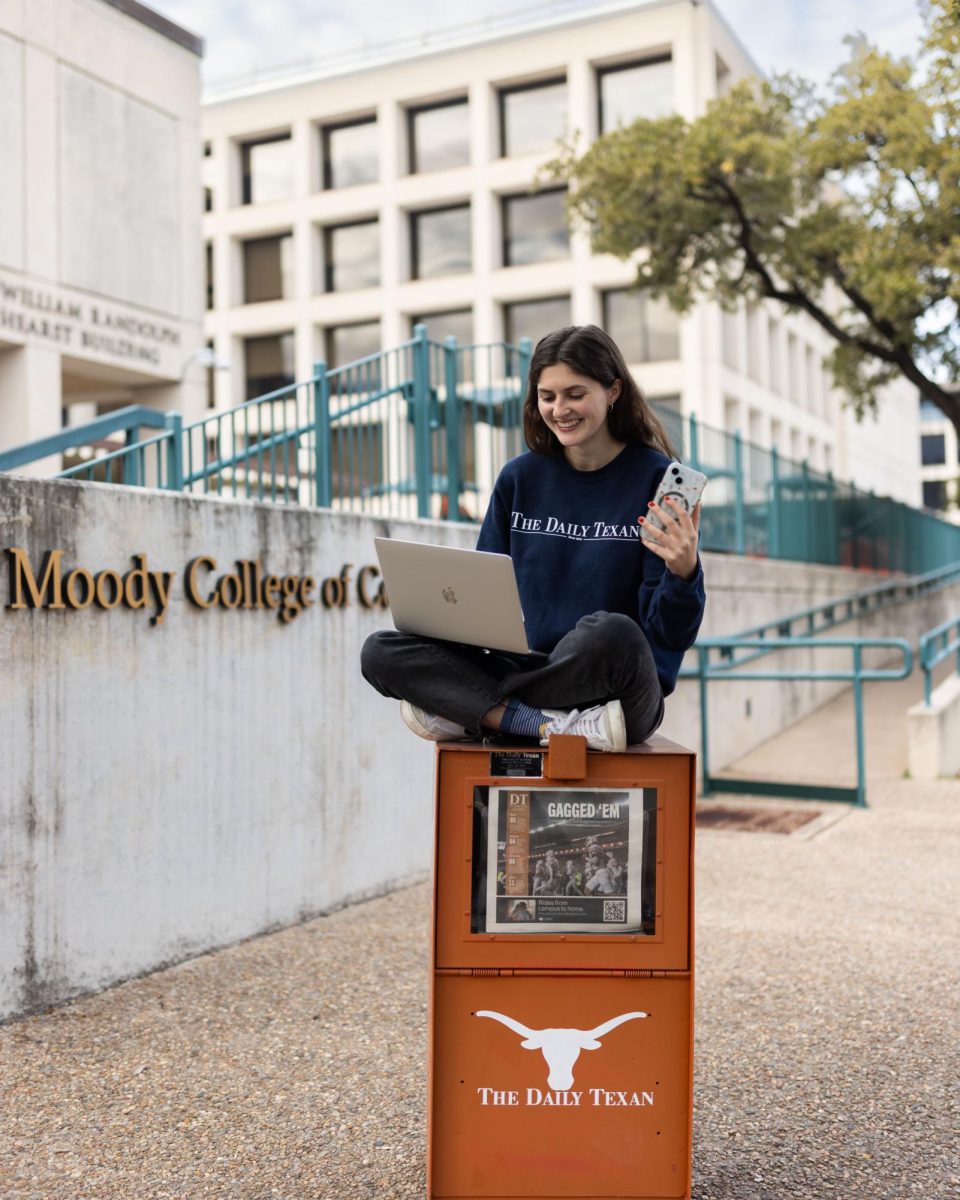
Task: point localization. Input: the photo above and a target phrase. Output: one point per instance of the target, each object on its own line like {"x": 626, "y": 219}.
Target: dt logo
{"x": 561, "y": 1047}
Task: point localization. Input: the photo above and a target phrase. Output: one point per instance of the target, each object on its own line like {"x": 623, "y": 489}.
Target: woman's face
{"x": 574, "y": 407}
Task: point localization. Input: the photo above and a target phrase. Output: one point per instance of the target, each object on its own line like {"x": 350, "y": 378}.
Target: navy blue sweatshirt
{"x": 576, "y": 548}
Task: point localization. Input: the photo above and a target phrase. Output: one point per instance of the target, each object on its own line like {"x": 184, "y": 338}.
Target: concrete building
{"x": 347, "y": 203}
{"x": 101, "y": 269}
{"x": 939, "y": 462}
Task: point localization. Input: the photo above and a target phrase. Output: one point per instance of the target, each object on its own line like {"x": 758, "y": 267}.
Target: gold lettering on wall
{"x": 246, "y": 588}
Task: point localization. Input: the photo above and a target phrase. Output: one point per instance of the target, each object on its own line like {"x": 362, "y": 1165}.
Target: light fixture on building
{"x": 205, "y": 356}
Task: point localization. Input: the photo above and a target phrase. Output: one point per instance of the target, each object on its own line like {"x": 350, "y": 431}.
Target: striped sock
{"x": 522, "y": 720}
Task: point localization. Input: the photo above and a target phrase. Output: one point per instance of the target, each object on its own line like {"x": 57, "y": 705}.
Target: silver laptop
{"x": 467, "y": 596}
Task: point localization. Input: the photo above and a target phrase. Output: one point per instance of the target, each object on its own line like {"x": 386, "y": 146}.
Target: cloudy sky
{"x": 247, "y": 35}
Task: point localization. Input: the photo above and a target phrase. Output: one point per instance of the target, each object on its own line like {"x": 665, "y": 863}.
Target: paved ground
{"x": 292, "y": 1066}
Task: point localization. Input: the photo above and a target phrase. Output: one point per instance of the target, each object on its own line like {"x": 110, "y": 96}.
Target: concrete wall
{"x": 933, "y": 733}
{"x": 173, "y": 787}
{"x": 101, "y": 257}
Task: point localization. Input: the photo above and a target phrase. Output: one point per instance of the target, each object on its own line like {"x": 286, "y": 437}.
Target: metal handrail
{"x": 934, "y": 647}
{"x": 125, "y": 420}
{"x": 857, "y": 675}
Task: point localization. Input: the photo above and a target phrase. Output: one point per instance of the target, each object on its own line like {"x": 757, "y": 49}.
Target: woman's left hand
{"x": 677, "y": 543}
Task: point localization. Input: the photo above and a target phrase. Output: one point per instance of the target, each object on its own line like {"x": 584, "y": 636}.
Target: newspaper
{"x": 565, "y": 861}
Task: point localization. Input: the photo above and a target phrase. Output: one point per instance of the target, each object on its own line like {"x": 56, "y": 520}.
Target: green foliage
{"x": 845, "y": 205}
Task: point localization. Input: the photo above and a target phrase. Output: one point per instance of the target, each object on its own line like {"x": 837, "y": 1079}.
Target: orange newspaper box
{"x": 561, "y": 1020}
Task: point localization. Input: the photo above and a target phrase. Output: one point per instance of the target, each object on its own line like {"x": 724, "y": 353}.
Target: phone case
{"x": 680, "y": 483}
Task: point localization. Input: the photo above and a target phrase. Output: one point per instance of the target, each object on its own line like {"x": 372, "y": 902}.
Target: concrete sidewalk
{"x": 292, "y": 1065}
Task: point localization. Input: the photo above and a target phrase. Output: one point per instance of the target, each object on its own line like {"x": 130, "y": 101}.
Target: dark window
{"x": 209, "y": 272}
{"x": 347, "y": 343}
{"x": 267, "y": 169}
{"x": 207, "y": 149}
{"x": 456, "y": 323}
{"x": 351, "y": 154}
{"x": 535, "y": 228}
{"x": 351, "y": 256}
{"x": 646, "y": 330}
{"x": 935, "y": 494}
{"x": 208, "y": 199}
{"x": 933, "y": 450}
{"x": 268, "y": 269}
{"x": 535, "y": 318}
{"x": 642, "y": 89}
{"x": 269, "y": 363}
{"x": 357, "y": 452}
{"x": 439, "y": 136}
{"x": 440, "y": 242}
{"x": 211, "y": 380}
{"x": 532, "y": 118}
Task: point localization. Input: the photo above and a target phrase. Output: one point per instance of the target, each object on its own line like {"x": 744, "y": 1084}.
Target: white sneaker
{"x": 602, "y": 726}
{"x": 426, "y": 725}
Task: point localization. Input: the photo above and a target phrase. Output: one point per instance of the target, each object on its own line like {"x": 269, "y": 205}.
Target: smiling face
{"x": 574, "y": 408}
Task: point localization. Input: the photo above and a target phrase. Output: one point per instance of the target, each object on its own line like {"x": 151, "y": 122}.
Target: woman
{"x": 613, "y": 613}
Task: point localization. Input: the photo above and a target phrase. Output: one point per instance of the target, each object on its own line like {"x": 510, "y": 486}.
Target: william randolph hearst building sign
{"x": 86, "y": 327}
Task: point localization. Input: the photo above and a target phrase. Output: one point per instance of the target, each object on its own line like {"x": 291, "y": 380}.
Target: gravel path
{"x": 292, "y": 1066}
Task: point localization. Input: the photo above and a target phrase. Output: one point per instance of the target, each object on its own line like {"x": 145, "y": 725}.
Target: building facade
{"x": 939, "y": 462}
{"x": 101, "y": 269}
{"x": 346, "y": 205}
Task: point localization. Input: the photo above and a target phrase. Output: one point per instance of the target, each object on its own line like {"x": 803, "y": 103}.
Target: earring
{"x": 610, "y": 407}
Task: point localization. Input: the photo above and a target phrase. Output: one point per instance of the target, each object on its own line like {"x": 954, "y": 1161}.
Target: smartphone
{"x": 683, "y": 485}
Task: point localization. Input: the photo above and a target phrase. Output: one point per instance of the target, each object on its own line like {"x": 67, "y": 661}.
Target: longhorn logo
{"x": 561, "y": 1047}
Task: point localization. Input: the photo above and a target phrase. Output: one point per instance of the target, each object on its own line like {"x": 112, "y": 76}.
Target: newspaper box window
{"x": 565, "y": 860}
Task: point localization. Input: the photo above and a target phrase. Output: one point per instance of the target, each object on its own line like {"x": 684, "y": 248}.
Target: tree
{"x": 845, "y": 205}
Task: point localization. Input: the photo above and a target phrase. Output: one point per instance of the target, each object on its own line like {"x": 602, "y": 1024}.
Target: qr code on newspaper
{"x": 614, "y": 910}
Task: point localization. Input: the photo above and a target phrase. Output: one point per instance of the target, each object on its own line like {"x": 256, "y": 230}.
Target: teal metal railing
{"x": 728, "y": 668}
{"x": 725, "y": 657}
{"x": 421, "y": 430}
{"x": 88, "y": 439}
{"x": 935, "y": 646}
{"x": 760, "y": 503}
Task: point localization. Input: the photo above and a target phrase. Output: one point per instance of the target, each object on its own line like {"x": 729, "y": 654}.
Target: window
{"x": 929, "y": 411}
{"x": 351, "y": 154}
{"x": 773, "y": 356}
{"x": 209, "y": 273}
{"x": 776, "y": 434}
{"x": 351, "y": 256}
{"x": 211, "y": 379}
{"x": 933, "y": 449}
{"x": 731, "y": 415}
{"x": 535, "y": 228}
{"x": 935, "y": 494}
{"x": 642, "y": 89}
{"x": 439, "y": 136}
{"x": 793, "y": 368}
{"x": 645, "y": 329}
{"x": 722, "y": 75}
{"x": 269, "y": 363}
{"x": 754, "y": 319}
{"x": 812, "y": 379}
{"x": 268, "y": 269}
{"x": 440, "y": 242}
{"x": 267, "y": 169}
{"x": 730, "y": 335}
{"x": 456, "y": 323}
{"x": 208, "y": 199}
{"x": 535, "y": 318}
{"x": 532, "y": 117}
{"x": 347, "y": 343}
{"x": 357, "y": 454}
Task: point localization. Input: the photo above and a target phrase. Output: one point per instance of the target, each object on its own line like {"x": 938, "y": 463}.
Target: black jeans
{"x": 604, "y": 657}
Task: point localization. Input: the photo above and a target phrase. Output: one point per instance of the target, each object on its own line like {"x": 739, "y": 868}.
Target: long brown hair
{"x": 591, "y": 352}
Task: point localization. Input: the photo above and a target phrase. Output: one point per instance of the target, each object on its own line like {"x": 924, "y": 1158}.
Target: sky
{"x": 243, "y": 36}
